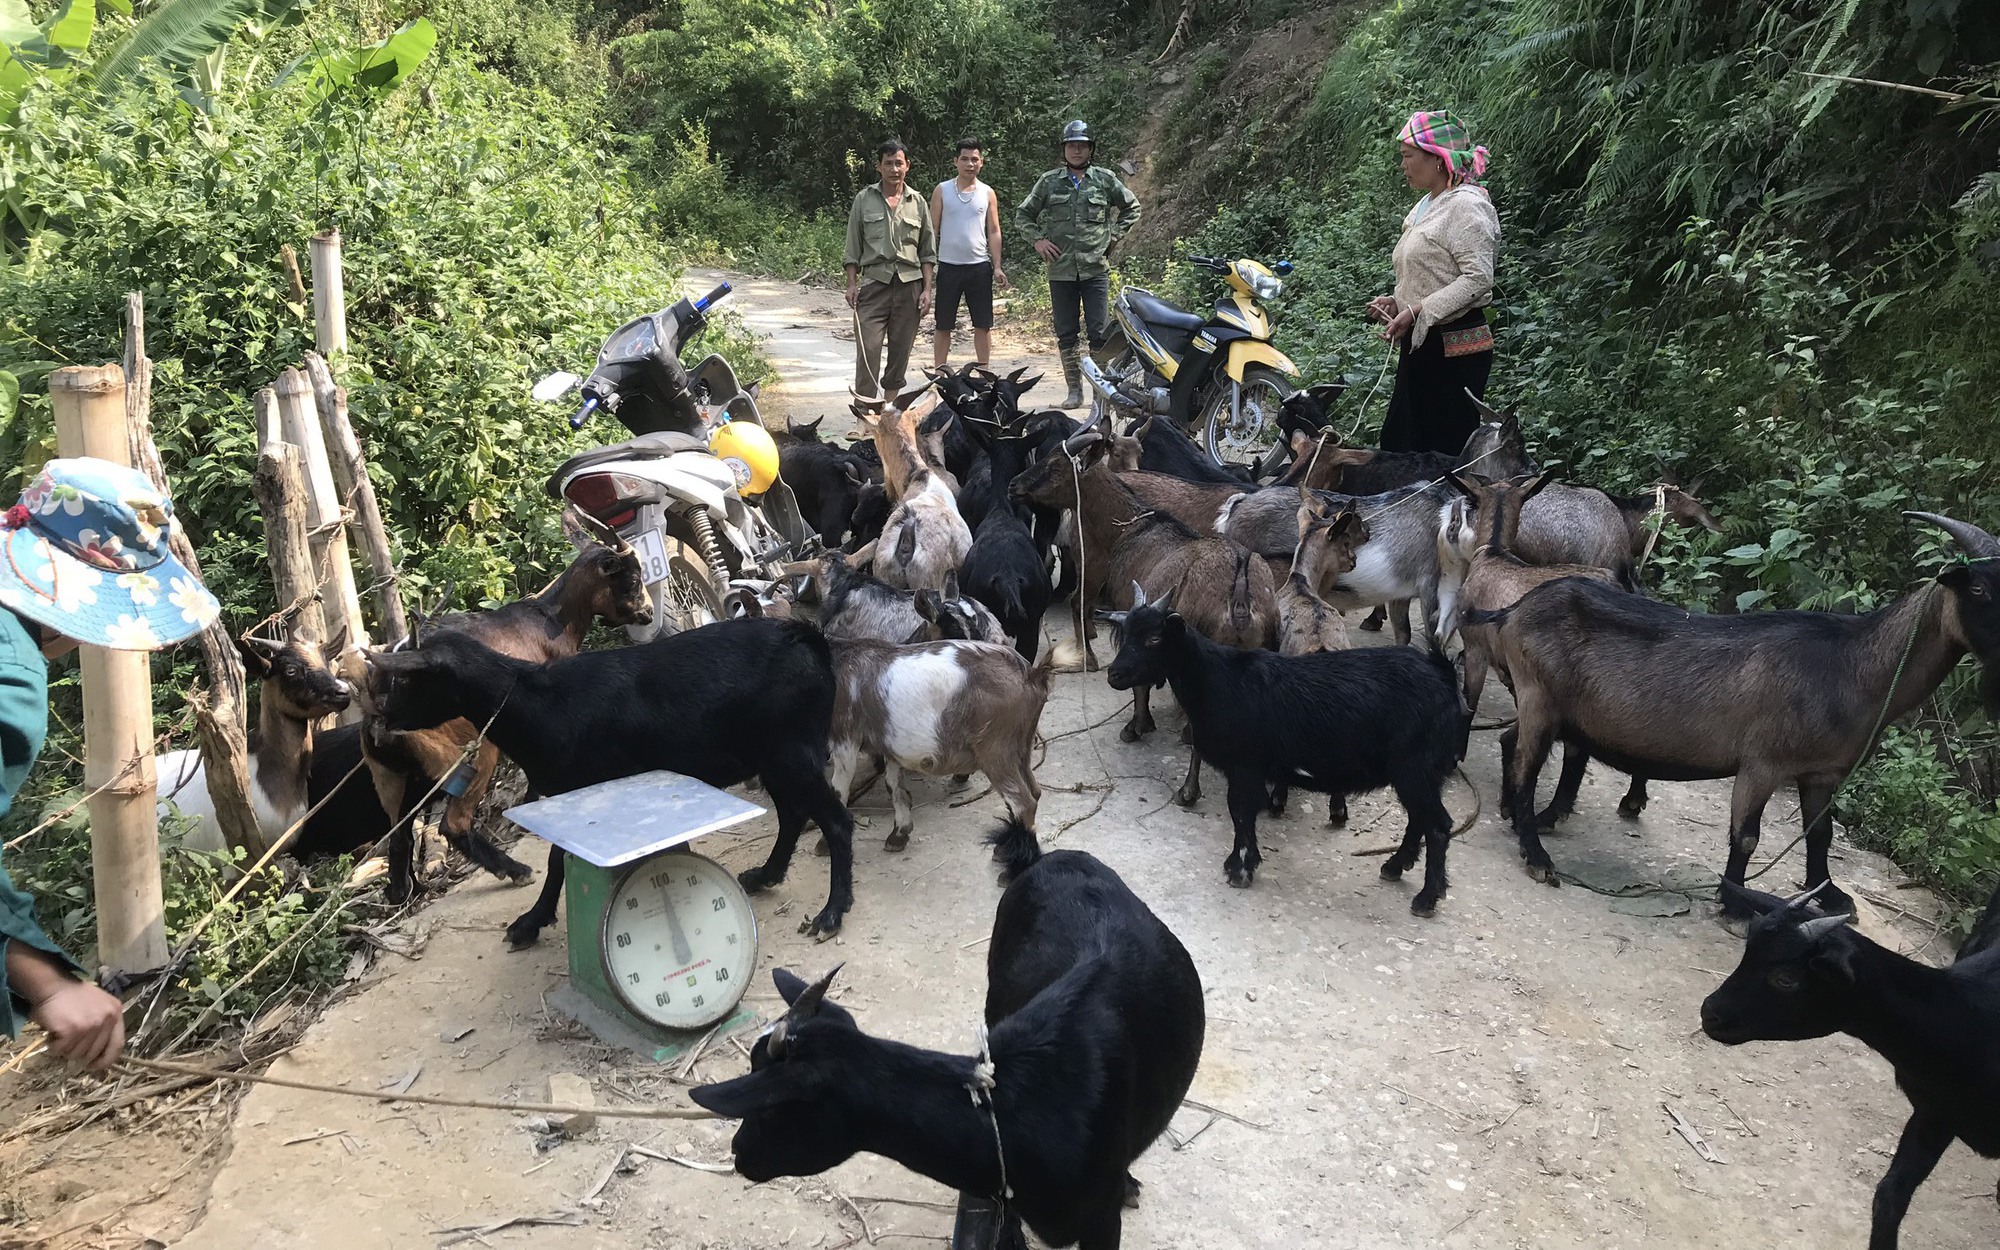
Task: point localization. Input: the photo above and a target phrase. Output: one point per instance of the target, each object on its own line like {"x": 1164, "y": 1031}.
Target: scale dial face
{"x": 680, "y": 940}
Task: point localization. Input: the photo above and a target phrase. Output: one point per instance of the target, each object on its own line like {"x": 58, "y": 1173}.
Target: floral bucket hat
{"x": 85, "y": 553}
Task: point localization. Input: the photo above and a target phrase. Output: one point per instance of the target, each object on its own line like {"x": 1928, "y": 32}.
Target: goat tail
{"x": 1242, "y": 608}
{"x": 1016, "y": 847}
{"x": 1042, "y": 671}
{"x": 1495, "y": 617}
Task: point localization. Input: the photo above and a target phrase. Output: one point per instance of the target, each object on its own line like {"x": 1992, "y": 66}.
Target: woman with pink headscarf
{"x": 1444, "y": 279}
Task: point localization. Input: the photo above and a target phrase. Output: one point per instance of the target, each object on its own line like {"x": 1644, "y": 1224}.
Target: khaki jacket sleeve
{"x": 1472, "y": 235}
{"x": 927, "y": 236}
{"x": 853, "y": 254}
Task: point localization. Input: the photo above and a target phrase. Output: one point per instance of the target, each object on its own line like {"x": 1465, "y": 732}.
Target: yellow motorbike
{"x": 1219, "y": 378}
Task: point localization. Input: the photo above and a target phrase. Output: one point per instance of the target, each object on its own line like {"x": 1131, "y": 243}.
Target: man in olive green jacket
{"x": 891, "y": 261}
{"x": 1074, "y": 215}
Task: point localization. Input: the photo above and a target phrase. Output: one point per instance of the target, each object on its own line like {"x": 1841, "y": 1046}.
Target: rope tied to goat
{"x": 985, "y": 1078}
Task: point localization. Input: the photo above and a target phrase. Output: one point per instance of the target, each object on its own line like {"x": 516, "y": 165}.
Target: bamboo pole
{"x": 340, "y": 603}
{"x": 89, "y": 408}
{"x": 329, "y": 299}
{"x": 220, "y": 710}
{"x": 350, "y": 475}
{"x": 280, "y": 487}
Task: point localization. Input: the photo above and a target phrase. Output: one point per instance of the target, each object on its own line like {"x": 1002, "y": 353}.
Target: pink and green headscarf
{"x": 1444, "y": 136}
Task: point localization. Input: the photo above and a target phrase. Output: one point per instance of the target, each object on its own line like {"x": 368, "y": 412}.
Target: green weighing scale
{"x": 662, "y": 941}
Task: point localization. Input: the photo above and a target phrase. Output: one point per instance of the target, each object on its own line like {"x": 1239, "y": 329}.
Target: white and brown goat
{"x": 925, "y": 537}
{"x": 945, "y": 708}
{"x": 295, "y": 689}
{"x": 1328, "y": 541}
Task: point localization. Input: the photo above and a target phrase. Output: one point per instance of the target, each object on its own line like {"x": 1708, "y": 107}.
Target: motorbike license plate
{"x": 652, "y": 552}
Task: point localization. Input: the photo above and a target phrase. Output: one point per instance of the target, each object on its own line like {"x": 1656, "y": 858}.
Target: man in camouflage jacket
{"x": 1075, "y": 214}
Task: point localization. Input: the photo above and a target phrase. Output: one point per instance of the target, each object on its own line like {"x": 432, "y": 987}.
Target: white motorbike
{"x": 676, "y": 490}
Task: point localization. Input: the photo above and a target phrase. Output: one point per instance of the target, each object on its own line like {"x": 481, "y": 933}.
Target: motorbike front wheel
{"x": 1247, "y": 431}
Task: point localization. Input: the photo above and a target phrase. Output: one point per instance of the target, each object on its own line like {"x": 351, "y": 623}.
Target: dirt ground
{"x": 1499, "y": 1076}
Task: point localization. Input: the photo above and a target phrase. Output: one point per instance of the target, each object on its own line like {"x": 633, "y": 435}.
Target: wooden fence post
{"x": 350, "y": 474}
{"x": 324, "y": 518}
{"x": 89, "y": 408}
{"x": 329, "y": 299}
{"x": 280, "y": 487}
{"x": 220, "y": 710}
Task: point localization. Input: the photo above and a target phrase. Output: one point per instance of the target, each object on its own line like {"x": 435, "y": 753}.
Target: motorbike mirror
{"x": 1283, "y": 268}
{"x": 555, "y": 386}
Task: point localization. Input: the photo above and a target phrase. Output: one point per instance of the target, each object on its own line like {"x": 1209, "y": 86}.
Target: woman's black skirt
{"x": 1429, "y": 409}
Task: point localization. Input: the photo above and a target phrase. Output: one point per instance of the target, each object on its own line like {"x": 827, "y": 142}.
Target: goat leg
{"x": 1373, "y": 621}
{"x": 1247, "y": 797}
{"x": 899, "y": 799}
{"x": 1634, "y": 801}
{"x": 802, "y": 794}
{"x": 1190, "y": 792}
{"x": 1507, "y": 740}
{"x": 1399, "y": 618}
{"x": 1576, "y": 757}
{"x": 1336, "y": 811}
{"x": 1280, "y": 793}
{"x": 1141, "y": 723}
{"x": 1925, "y": 1139}
{"x": 1746, "y": 813}
{"x": 1531, "y": 751}
{"x": 527, "y": 927}
{"x": 1816, "y": 800}
{"x": 459, "y": 811}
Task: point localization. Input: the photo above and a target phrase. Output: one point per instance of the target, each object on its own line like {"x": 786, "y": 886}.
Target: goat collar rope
{"x": 1659, "y": 511}
{"x": 981, "y": 1086}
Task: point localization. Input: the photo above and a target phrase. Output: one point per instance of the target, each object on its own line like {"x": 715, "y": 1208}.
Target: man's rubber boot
{"x": 1072, "y": 361}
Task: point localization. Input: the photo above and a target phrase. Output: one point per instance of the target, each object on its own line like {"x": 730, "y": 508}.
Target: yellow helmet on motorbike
{"x": 750, "y": 454}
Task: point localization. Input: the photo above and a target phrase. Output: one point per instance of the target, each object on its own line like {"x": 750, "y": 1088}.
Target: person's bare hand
{"x": 853, "y": 294}
{"x": 85, "y": 1025}
{"x": 1382, "y": 309}
{"x": 1398, "y": 329}
{"x": 1047, "y": 250}
{"x": 923, "y": 301}
{"x": 1000, "y": 277}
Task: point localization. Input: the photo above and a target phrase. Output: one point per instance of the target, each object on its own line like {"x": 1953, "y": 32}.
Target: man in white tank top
{"x": 968, "y": 223}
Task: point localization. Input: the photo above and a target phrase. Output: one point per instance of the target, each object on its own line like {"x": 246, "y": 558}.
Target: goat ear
{"x": 1466, "y": 485}
{"x": 1758, "y": 902}
{"x": 928, "y": 607}
{"x": 1301, "y": 444}
{"x": 744, "y": 1096}
{"x": 1535, "y": 483}
{"x": 1023, "y": 385}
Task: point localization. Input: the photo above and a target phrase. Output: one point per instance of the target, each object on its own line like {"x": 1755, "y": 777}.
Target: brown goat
{"x": 1223, "y": 589}
{"x": 602, "y": 582}
{"x": 1327, "y": 542}
{"x": 893, "y": 424}
{"x": 1765, "y": 697}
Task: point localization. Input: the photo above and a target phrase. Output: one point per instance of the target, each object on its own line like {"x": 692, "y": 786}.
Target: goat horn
{"x": 1819, "y": 926}
{"x": 604, "y": 533}
{"x": 1138, "y": 595}
{"x": 1806, "y": 896}
{"x": 1975, "y": 542}
{"x": 806, "y": 1005}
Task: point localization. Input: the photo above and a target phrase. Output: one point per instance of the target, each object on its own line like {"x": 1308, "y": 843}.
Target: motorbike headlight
{"x": 1264, "y": 286}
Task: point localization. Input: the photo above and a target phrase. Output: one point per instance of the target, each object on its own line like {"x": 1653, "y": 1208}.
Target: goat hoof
{"x": 1373, "y": 624}
{"x": 1832, "y": 901}
{"x": 1276, "y": 809}
{"x": 822, "y": 926}
{"x": 517, "y": 873}
{"x": 397, "y": 892}
{"x": 523, "y": 933}
{"x": 1089, "y": 662}
{"x": 1544, "y": 873}
{"x": 1132, "y": 1188}
{"x": 1336, "y": 813}
{"x": 897, "y": 840}
{"x": 1424, "y": 905}
{"x": 1130, "y": 732}
{"x": 1240, "y": 877}
{"x": 1550, "y": 818}
{"x": 753, "y": 879}
{"x": 1188, "y": 796}
{"x": 820, "y": 847}
{"x": 1393, "y": 868}
{"x": 1631, "y": 811}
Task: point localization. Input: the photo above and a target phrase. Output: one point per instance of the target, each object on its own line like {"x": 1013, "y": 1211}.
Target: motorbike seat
{"x": 655, "y": 446}
{"x": 1158, "y": 312}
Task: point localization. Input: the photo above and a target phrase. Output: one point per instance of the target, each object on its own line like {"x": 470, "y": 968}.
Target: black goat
{"x": 1339, "y": 722}
{"x": 1766, "y": 697}
{"x": 1163, "y": 448}
{"x": 723, "y": 703}
{"x": 1003, "y": 569}
{"x": 1096, "y": 1020}
{"x": 827, "y": 479}
{"x": 1808, "y": 975}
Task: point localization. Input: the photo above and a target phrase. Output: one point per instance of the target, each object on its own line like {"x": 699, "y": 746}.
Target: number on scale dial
{"x": 680, "y": 940}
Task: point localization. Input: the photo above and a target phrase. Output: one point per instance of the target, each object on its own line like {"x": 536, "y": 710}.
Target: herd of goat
{"x": 951, "y": 526}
